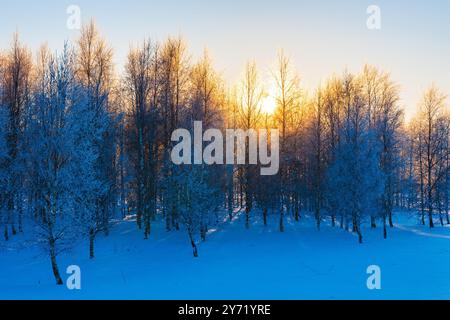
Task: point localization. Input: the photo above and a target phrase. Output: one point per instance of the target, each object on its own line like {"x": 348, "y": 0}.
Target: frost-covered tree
{"x": 206, "y": 104}
{"x": 3, "y": 136}
{"x": 4, "y": 172}
{"x": 430, "y": 136}
{"x": 94, "y": 70}
{"x": 59, "y": 158}
{"x": 197, "y": 198}
{"x": 380, "y": 95}
{"x": 355, "y": 178}
{"x": 317, "y": 154}
{"x": 249, "y": 115}
{"x": 287, "y": 101}
{"x": 15, "y": 82}
{"x": 142, "y": 129}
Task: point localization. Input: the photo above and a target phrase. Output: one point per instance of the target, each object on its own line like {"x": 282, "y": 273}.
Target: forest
{"x": 82, "y": 146}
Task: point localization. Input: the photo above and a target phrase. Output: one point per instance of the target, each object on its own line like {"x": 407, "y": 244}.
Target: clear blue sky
{"x": 322, "y": 37}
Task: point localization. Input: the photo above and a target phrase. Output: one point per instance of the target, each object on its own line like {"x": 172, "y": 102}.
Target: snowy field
{"x": 235, "y": 263}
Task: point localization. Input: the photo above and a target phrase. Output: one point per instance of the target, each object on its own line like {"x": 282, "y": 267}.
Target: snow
{"x": 235, "y": 263}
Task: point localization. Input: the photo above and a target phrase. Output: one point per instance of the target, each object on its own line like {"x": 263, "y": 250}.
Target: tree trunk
{"x": 439, "y": 207}
{"x": 20, "y": 218}
{"x": 296, "y": 212}
{"x": 194, "y": 246}
{"x": 168, "y": 223}
{"x": 281, "y": 220}
{"x": 360, "y": 239}
{"x": 422, "y": 191}
{"x": 318, "y": 218}
{"x": 147, "y": 228}
{"x": 430, "y": 216}
{"x": 373, "y": 224}
{"x": 139, "y": 219}
{"x": 357, "y": 229}
{"x": 105, "y": 225}
{"x": 230, "y": 193}
{"x": 391, "y": 224}
{"x": 247, "y": 218}
{"x": 203, "y": 231}
{"x": 54, "y": 264}
{"x": 91, "y": 243}
{"x": 265, "y": 216}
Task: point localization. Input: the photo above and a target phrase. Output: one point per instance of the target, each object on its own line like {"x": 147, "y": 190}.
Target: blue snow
{"x": 235, "y": 263}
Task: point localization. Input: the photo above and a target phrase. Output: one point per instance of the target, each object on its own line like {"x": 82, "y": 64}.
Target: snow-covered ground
{"x": 235, "y": 263}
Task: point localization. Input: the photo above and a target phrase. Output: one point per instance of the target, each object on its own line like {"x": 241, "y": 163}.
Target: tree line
{"x": 81, "y": 146}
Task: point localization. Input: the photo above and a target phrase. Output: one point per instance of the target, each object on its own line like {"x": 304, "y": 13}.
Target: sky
{"x": 322, "y": 37}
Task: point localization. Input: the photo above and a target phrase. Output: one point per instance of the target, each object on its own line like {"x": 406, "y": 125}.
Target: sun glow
{"x": 269, "y": 103}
